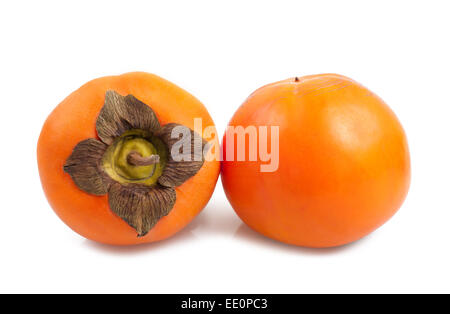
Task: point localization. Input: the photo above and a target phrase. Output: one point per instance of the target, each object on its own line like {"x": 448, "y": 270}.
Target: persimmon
{"x": 343, "y": 162}
{"x": 106, "y": 163}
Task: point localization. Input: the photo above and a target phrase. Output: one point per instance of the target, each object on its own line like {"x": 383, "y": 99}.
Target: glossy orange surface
{"x": 74, "y": 120}
{"x": 344, "y": 166}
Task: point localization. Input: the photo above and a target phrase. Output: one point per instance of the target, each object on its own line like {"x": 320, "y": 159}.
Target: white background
{"x": 221, "y": 51}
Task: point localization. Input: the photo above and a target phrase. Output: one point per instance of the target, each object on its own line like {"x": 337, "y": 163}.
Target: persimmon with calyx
{"x": 343, "y": 162}
{"x": 107, "y": 164}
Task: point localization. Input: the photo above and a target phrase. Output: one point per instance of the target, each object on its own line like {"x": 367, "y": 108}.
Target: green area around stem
{"x": 117, "y": 167}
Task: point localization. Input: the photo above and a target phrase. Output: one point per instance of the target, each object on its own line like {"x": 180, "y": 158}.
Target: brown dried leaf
{"x": 123, "y": 113}
{"x": 176, "y": 172}
{"x": 83, "y": 166}
{"x": 141, "y": 206}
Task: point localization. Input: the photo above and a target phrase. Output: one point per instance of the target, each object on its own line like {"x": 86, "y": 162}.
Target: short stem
{"x": 136, "y": 159}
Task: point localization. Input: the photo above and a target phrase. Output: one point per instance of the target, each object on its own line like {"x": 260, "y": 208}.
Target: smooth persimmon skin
{"x": 74, "y": 119}
{"x": 344, "y": 166}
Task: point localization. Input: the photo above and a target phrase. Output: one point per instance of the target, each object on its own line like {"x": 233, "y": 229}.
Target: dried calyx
{"x": 132, "y": 162}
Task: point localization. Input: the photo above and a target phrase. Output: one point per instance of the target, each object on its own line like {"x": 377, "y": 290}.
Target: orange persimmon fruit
{"x": 343, "y": 162}
{"x": 105, "y": 163}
